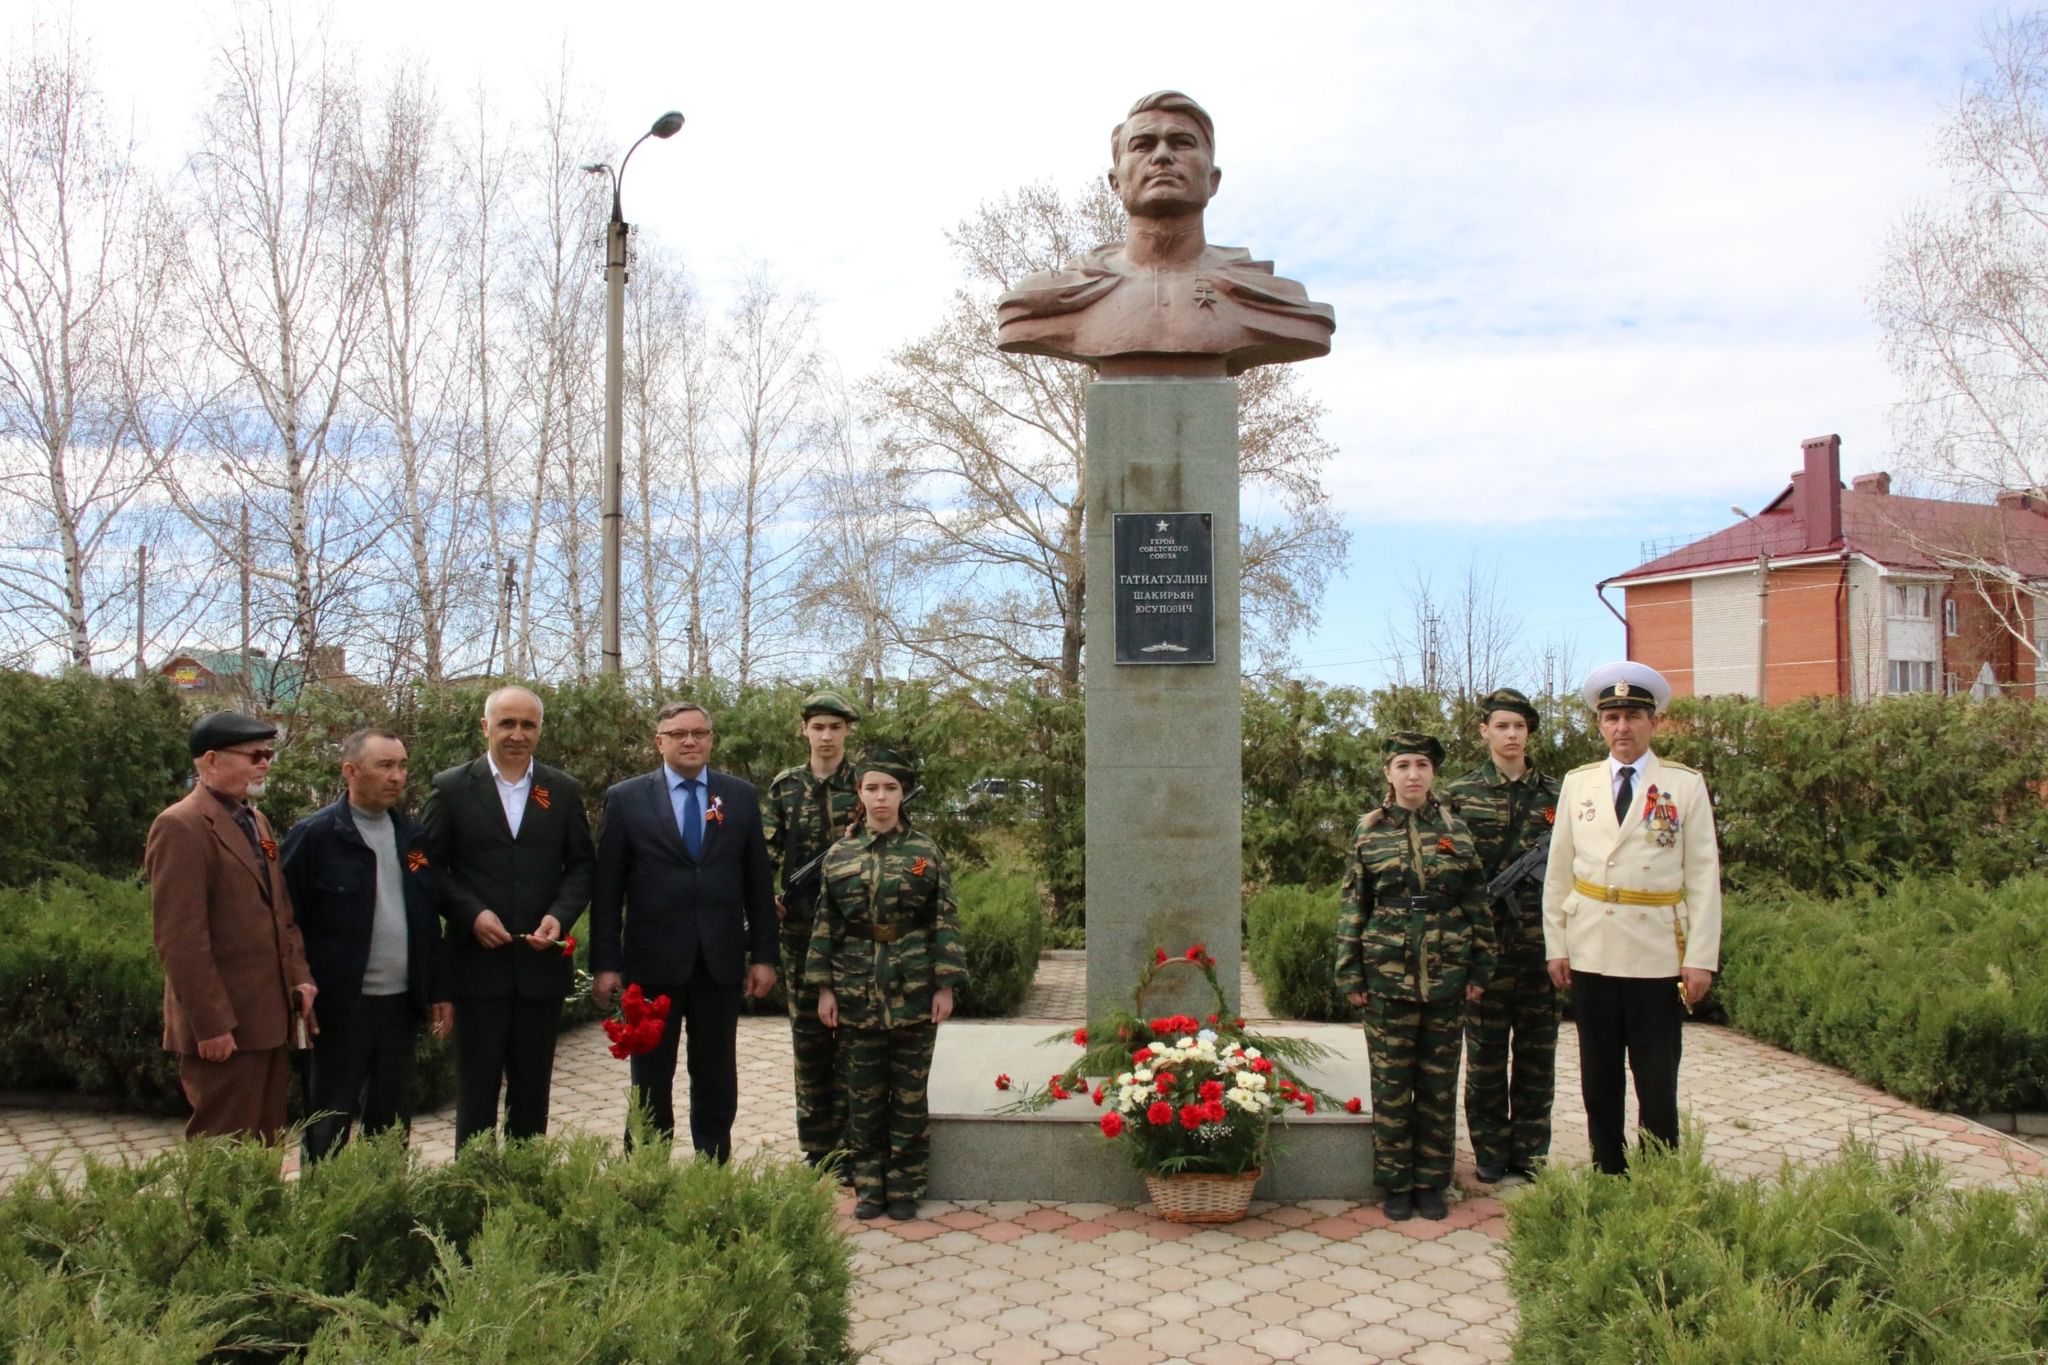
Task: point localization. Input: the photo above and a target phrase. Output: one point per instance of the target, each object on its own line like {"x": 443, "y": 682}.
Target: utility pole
{"x": 141, "y": 610}
{"x": 246, "y": 671}
{"x": 614, "y": 387}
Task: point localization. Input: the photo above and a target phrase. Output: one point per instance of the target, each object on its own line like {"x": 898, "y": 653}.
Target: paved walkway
{"x": 1317, "y": 1281}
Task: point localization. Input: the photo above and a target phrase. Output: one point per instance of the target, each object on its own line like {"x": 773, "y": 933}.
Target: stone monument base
{"x": 1060, "y": 1154}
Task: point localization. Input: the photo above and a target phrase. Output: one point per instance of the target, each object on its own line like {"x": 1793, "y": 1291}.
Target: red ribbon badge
{"x": 1550, "y": 815}
{"x": 541, "y": 799}
{"x": 917, "y": 868}
{"x": 270, "y": 849}
{"x": 1444, "y": 845}
{"x": 415, "y": 860}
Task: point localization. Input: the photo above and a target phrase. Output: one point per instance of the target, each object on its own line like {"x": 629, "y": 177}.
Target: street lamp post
{"x": 1763, "y": 601}
{"x": 614, "y": 384}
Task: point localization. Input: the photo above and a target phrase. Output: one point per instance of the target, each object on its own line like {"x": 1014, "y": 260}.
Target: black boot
{"x": 1488, "y": 1174}
{"x": 1430, "y": 1204}
{"x": 1400, "y": 1205}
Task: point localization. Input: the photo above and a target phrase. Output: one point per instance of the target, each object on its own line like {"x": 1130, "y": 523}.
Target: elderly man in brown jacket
{"x": 234, "y": 966}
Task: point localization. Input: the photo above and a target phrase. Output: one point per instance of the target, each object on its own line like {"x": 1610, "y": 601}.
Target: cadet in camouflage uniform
{"x": 1511, "y": 1033}
{"x": 1414, "y": 944}
{"x": 886, "y": 958}
{"x": 805, "y": 810}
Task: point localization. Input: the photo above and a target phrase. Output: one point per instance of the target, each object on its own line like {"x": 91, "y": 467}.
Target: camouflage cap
{"x": 831, "y": 703}
{"x": 1508, "y": 699}
{"x": 896, "y": 765}
{"x": 1413, "y": 742}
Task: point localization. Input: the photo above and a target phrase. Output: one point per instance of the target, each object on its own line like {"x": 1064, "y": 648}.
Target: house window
{"x": 1948, "y": 616}
{"x": 1912, "y": 675}
{"x": 1912, "y": 601}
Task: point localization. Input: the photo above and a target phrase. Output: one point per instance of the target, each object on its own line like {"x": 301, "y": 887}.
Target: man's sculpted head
{"x": 1163, "y": 157}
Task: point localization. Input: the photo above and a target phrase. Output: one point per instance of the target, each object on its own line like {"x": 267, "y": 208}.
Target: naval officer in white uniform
{"x": 1631, "y": 910}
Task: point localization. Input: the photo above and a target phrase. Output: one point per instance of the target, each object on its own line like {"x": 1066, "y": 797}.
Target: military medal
{"x": 1660, "y": 818}
{"x": 1586, "y": 809}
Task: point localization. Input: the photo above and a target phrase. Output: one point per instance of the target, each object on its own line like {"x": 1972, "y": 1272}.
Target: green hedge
{"x": 1933, "y": 991}
{"x": 1856, "y": 1260}
{"x": 1291, "y": 938}
{"x": 550, "y": 1250}
{"x": 1002, "y": 927}
{"x": 85, "y": 764}
{"x": 82, "y": 993}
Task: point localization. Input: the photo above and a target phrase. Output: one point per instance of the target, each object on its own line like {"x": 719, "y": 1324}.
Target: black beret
{"x": 225, "y": 729}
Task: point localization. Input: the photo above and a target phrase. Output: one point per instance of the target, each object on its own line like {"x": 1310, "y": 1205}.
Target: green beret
{"x": 887, "y": 761}
{"x": 830, "y": 703}
{"x": 1508, "y": 699}
{"x": 1413, "y": 742}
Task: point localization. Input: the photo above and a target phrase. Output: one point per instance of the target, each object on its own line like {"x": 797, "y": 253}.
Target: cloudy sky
{"x": 1597, "y": 268}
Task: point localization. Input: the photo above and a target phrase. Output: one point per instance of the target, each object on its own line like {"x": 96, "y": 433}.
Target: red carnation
{"x": 1163, "y": 1081}
{"x": 1059, "y": 1092}
{"x": 1212, "y": 1112}
{"x": 1003, "y": 1081}
{"x": 1262, "y": 1066}
{"x": 1308, "y": 1103}
{"x": 1212, "y": 1021}
{"x": 569, "y": 946}
{"x": 1191, "y": 1116}
{"x": 1354, "y": 1105}
{"x": 1195, "y": 953}
{"x": 1159, "y": 956}
{"x": 1212, "y": 1090}
{"x": 1160, "y": 1114}
{"x": 1080, "y": 1037}
{"x": 1237, "y": 1023}
{"x": 1098, "y": 1096}
{"x": 1112, "y": 1124}
{"x": 1142, "y": 1055}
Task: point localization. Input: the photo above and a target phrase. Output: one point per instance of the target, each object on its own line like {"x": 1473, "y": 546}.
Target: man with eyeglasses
{"x": 684, "y": 906}
{"x": 237, "y": 990}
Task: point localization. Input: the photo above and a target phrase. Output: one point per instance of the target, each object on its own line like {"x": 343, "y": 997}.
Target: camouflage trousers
{"x": 1511, "y": 1066}
{"x": 887, "y": 1070}
{"x": 1414, "y": 1050}
{"x": 820, "y": 1096}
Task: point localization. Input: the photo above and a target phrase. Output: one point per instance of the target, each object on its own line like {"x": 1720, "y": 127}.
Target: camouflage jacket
{"x": 887, "y": 934}
{"x": 1413, "y": 952}
{"x": 1490, "y": 806}
{"x": 802, "y": 816}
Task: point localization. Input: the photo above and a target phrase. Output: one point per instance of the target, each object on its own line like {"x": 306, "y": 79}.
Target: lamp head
{"x": 668, "y": 125}
{"x": 594, "y": 167}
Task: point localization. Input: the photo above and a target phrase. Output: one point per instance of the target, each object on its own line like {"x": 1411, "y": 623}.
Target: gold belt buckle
{"x": 1611, "y": 894}
{"x": 887, "y": 933}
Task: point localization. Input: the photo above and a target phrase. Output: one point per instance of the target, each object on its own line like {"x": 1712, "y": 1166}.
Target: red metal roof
{"x": 1897, "y": 532}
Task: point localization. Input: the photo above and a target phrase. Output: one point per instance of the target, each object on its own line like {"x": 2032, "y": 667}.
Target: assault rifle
{"x": 803, "y": 882}
{"x": 1509, "y": 883}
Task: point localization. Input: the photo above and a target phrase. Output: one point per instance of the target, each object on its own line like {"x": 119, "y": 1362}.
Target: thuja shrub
{"x": 545, "y": 1250}
{"x": 1002, "y": 928}
{"x": 1291, "y": 936}
{"x": 1854, "y": 1260}
{"x": 1931, "y": 990}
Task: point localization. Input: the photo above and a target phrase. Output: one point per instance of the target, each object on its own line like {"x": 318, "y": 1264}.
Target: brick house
{"x": 1833, "y": 591}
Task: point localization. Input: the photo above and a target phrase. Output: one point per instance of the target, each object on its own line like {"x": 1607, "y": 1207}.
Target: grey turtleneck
{"x": 386, "y": 972}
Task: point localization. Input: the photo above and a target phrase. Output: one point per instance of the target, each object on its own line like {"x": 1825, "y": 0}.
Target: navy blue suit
{"x": 686, "y": 928}
{"x": 362, "y": 1057}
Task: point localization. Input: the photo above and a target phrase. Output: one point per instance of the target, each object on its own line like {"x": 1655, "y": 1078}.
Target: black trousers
{"x": 360, "y": 1069}
{"x": 703, "y": 1024}
{"x": 506, "y": 1039}
{"x": 1637, "y": 1020}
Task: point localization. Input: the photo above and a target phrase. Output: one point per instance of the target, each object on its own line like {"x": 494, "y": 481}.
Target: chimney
{"x": 328, "y": 662}
{"x": 1879, "y": 483}
{"x": 2023, "y": 500}
{"x": 1817, "y": 498}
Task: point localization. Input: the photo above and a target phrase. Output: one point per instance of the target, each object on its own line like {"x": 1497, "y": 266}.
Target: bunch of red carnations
{"x": 638, "y": 1025}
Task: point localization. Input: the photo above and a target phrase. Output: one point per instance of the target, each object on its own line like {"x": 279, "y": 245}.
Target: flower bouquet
{"x": 639, "y": 1024}
{"x": 1191, "y": 1102}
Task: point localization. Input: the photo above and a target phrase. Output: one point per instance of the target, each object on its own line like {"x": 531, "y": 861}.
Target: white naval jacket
{"x": 1587, "y": 844}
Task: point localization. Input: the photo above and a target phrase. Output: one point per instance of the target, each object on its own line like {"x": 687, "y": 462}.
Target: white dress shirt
{"x": 512, "y": 795}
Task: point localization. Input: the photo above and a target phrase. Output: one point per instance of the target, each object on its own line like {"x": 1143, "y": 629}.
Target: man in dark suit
{"x": 368, "y": 901}
{"x": 512, "y": 843}
{"x": 683, "y": 863}
{"x": 234, "y": 966}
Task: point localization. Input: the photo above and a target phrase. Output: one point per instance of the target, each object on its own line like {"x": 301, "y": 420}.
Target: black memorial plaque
{"x": 1165, "y": 588}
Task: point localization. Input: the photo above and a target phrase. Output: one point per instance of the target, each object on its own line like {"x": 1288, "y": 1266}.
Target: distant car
{"x": 988, "y": 793}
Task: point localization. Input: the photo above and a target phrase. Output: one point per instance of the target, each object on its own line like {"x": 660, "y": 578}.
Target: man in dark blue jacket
{"x": 684, "y": 897}
{"x": 369, "y": 908}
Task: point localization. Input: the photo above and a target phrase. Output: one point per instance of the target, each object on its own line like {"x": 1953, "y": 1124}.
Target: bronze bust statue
{"x": 1165, "y": 301}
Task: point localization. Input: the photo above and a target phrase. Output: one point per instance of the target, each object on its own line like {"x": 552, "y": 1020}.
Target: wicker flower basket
{"x": 1201, "y": 1198}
